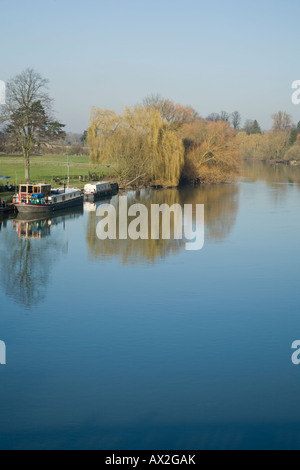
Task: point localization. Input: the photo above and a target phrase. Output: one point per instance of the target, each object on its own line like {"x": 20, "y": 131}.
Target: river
{"x": 144, "y": 345}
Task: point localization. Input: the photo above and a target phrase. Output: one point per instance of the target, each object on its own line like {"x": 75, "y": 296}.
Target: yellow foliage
{"x": 271, "y": 145}
{"x": 139, "y": 144}
{"x": 212, "y": 152}
{"x": 162, "y": 144}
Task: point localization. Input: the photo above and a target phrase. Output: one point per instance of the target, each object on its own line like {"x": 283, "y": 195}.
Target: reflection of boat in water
{"x": 42, "y": 199}
{"x": 33, "y": 229}
{"x": 97, "y": 191}
{"x": 37, "y": 228}
{"x": 90, "y": 206}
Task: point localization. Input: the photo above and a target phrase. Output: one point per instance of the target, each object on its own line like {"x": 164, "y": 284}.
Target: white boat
{"x": 102, "y": 189}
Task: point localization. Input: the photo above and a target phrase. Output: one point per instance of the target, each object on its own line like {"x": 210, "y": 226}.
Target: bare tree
{"x": 152, "y": 101}
{"x": 236, "y": 119}
{"x": 282, "y": 122}
{"x": 214, "y": 117}
{"x": 224, "y": 116}
{"x": 27, "y": 114}
{"x": 175, "y": 114}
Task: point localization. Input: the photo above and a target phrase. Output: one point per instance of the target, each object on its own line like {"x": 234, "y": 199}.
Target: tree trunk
{"x": 27, "y": 166}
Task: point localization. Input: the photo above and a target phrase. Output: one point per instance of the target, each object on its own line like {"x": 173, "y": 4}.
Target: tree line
{"x": 280, "y": 144}
{"x": 161, "y": 143}
{"x": 156, "y": 143}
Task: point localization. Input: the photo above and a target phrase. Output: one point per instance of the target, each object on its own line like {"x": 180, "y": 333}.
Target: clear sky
{"x": 214, "y": 55}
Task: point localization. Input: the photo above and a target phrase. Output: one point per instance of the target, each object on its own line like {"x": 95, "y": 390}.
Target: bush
{"x": 96, "y": 176}
{"x": 211, "y": 152}
{"x": 293, "y": 154}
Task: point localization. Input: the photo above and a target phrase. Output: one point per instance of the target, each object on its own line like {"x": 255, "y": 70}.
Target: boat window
{"x": 23, "y": 189}
{"x": 30, "y": 189}
{"x": 55, "y": 199}
{"x": 64, "y": 198}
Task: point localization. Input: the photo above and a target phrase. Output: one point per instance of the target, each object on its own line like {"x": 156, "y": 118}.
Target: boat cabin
{"x": 64, "y": 195}
{"x": 97, "y": 188}
{"x": 43, "y": 197}
{"x": 29, "y": 189}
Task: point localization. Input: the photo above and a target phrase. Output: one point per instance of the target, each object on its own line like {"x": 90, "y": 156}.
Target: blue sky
{"x": 216, "y": 55}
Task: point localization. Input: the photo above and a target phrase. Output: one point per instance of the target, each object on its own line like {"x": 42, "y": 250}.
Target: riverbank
{"x": 273, "y": 162}
{"x": 52, "y": 169}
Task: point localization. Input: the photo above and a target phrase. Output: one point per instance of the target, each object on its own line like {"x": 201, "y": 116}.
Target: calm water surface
{"x": 143, "y": 345}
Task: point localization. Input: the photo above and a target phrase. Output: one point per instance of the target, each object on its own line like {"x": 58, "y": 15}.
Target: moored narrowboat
{"x": 96, "y": 191}
{"x": 41, "y": 199}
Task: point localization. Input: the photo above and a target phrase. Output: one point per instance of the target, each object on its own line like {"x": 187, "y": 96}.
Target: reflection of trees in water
{"x": 26, "y": 262}
{"x": 135, "y": 251}
{"x": 221, "y": 205}
{"x": 25, "y": 267}
{"x": 259, "y": 171}
{"x": 281, "y": 178}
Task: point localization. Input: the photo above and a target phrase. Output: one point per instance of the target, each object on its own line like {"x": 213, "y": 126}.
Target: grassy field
{"x": 48, "y": 168}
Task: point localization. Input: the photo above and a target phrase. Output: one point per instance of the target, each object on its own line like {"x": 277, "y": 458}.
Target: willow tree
{"x": 139, "y": 144}
{"x": 27, "y": 114}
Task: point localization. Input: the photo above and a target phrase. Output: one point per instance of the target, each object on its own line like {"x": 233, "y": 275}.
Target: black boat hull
{"x": 40, "y": 209}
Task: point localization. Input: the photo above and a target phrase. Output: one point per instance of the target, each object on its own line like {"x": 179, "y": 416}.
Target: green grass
{"x": 47, "y": 168}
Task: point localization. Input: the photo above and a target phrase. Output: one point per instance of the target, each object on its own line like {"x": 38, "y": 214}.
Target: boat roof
{"x": 42, "y": 185}
{"x": 99, "y": 182}
{"x": 65, "y": 191}
{"x": 71, "y": 190}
